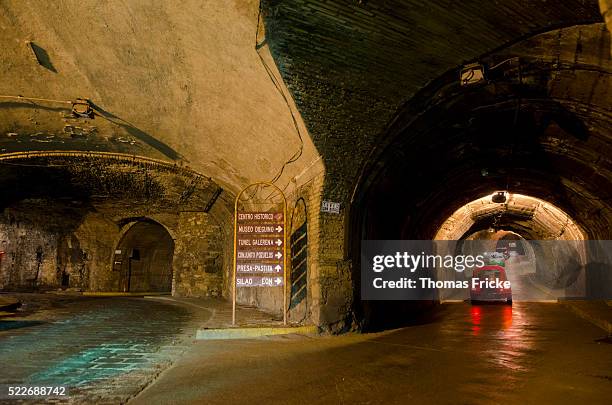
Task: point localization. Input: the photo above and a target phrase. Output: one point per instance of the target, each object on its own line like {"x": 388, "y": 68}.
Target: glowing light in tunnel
{"x": 544, "y": 215}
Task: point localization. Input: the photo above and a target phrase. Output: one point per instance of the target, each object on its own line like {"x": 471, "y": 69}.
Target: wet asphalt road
{"x": 537, "y": 353}
{"x": 107, "y": 349}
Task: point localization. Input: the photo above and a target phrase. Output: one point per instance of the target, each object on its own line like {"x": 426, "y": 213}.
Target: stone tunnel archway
{"x": 527, "y": 129}
{"x": 525, "y": 229}
{"x": 529, "y": 217}
{"x": 143, "y": 258}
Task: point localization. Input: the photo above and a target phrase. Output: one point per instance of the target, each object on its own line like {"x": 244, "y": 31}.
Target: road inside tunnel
{"x": 101, "y": 349}
{"x": 107, "y": 350}
{"x": 526, "y": 353}
{"x": 463, "y": 129}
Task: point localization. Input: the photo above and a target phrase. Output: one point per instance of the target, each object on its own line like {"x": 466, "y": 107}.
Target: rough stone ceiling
{"x": 176, "y": 82}
{"x": 79, "y": 183}
{"x": 352, "y": 64}
{"x": 184, "y": 83}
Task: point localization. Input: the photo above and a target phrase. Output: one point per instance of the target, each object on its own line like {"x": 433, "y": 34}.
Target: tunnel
{"x": 313, "y": 201}
{"x": 514, "y": 134}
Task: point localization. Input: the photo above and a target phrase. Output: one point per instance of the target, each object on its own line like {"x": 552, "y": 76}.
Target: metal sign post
{"x": 260, "y": 240}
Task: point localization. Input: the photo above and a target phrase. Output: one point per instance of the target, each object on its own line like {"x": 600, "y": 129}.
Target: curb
{"x": 121, "y": 294}
{"x": 255, "y": 332}
{"x": 604, "y": 324}
{"x": 9, "y": 305}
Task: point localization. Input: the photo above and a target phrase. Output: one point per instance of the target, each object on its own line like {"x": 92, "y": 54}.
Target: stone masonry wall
{"x": 330, "y": 286}
{"x": 29, "y": 258}
{"x": 198, "y": 256}
{"x": 86, "y": 255}
{"x": 78, "y": 258}
{"x": 330, "y": 279}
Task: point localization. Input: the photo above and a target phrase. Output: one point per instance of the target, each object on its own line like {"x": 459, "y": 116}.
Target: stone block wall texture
{"x": 330, "y": 285}
{"x": 63, "y": 258}
{"x": 86, "y": 255}
{"x": 223, "y": 215}
{"x": 333, "y": 286}
{"x": 30, "y": 255}
{"x": 198, "y": 256}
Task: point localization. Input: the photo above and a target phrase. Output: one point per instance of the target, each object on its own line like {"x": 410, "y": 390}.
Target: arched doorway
{"x": 144, "y": 258}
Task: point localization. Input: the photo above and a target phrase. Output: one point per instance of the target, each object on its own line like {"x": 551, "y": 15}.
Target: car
{"x": 490, "y": 284}
{"x": 495, "y": 258}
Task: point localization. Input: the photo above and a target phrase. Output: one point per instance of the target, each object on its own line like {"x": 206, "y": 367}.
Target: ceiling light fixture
{"x": 499, "y": 197}
{"x": 472, "y": 73}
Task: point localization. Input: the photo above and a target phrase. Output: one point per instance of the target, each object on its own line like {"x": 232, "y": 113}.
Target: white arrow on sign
{"x": 278, "y": 242}
{"x": 278, "y": 268}
{"x": 279, "y": 255}
{"x": 279, "y": 228}
{"x": 278, "y": 280}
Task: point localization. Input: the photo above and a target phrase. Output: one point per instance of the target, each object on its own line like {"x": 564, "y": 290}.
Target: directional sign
{"x": 260, "y": 229}
{"x": 259, "y": 268}
{"x": 261, "y": 217}
{"x": 257, "y": 281}
{"x": 260, "y": 242}
{"x": 260, "y": 249}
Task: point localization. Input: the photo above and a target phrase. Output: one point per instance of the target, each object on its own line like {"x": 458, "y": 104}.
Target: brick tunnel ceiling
{"x": 377, "y": 84}
{"x": 351, "y": 64}
{"x": 185, "y": 84}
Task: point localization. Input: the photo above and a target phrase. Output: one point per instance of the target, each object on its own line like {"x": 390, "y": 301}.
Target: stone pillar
{"x": 331, "y": 286}
{"x": 198, "y": 256}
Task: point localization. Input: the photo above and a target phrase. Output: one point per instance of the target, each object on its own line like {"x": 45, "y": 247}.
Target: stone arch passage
{"x": 144, "y": 258}
{"x": 530, "y": 217}
{"x": 526, "y": 130}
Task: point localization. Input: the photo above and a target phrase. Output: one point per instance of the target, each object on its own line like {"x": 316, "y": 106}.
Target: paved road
{"x": 104, "y": 349}
{"x": 530, "y": 353}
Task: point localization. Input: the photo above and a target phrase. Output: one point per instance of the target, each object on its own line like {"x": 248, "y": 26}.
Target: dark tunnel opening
{"x": 143, "y": 259}
{"x": 510, "y": 134}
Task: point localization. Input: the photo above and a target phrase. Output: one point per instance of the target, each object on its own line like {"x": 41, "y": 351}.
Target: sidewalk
{"x": 8, "y": 305}
{"x": 250, "y": 322}
{"x": 221, "y": 312}
{"x": 598, "y": 313}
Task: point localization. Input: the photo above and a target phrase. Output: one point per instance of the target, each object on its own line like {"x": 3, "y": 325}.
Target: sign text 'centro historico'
{"x": 260, "y": 242}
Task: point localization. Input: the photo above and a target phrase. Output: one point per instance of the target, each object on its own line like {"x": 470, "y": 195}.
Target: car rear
{"x": 489, "y": 294}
